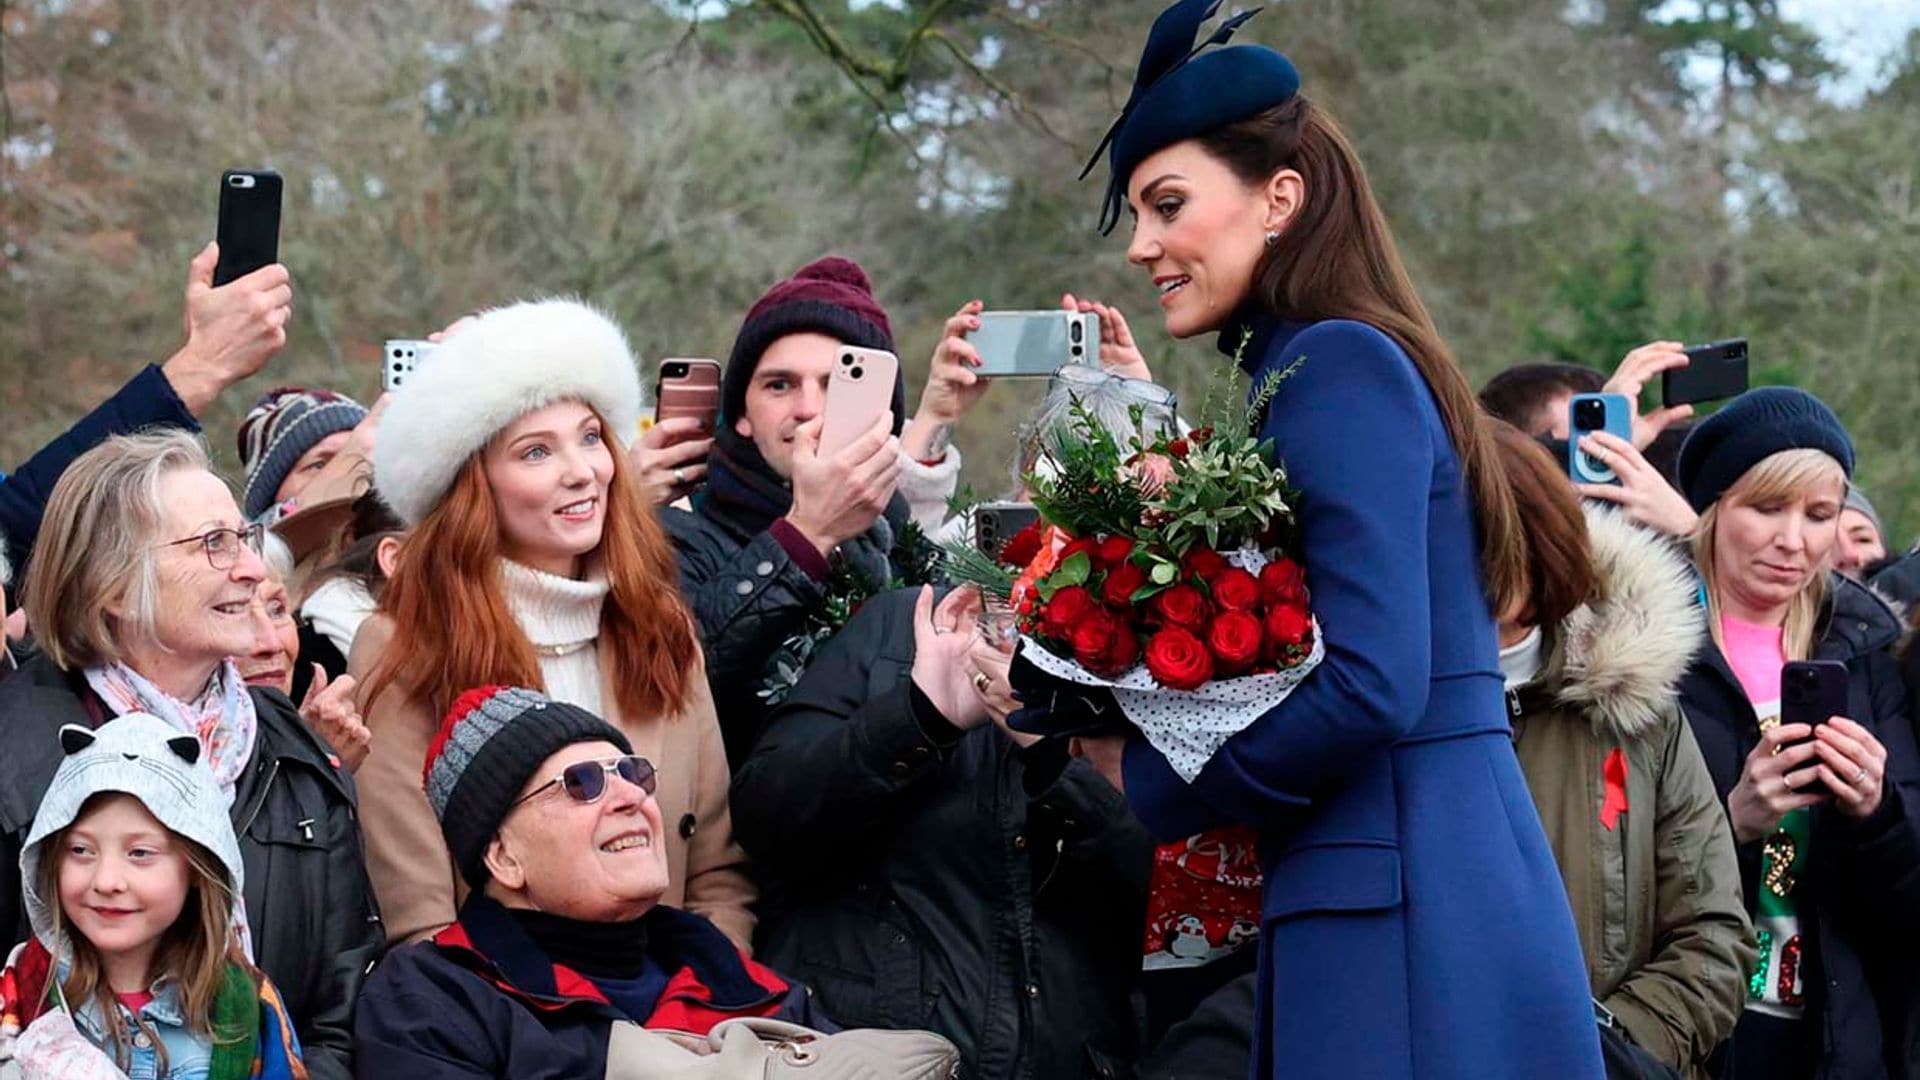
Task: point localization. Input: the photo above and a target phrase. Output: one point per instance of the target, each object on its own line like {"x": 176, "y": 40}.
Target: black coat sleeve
{"x": 148, "y": 400}
{"x": 843, "y": 747}
{"x": 1879, "y": 866}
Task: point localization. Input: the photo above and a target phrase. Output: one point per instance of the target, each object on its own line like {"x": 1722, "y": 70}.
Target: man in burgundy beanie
{"x": 758, "y": 550}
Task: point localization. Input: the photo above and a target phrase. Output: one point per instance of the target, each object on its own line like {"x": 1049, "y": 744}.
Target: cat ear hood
{"x": 141, "y": 756}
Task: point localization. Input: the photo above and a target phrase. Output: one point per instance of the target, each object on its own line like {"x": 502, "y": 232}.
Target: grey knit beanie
{"x": 492, "y": 740}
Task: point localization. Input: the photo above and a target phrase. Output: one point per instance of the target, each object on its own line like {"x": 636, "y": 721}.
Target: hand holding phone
{"x": 839, "y": 490}
{"x": 1588, "y": 413}
{"x": 995, "y": 523}
{"x": 1813, "y": 692}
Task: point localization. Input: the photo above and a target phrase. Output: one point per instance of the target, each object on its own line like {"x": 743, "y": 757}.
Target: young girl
{"x": 134, "y": 968}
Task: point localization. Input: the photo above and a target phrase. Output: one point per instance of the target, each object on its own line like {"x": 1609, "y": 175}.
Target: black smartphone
{"x": 249, "y": 230}
{"x": 995, "y": 523}
{"x": 1714, "y": 371}
{"x": 1813, "y": 692}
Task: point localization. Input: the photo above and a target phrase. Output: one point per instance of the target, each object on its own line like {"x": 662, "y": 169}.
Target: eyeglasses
{"x": 222, "y": 546}
{"x": 586, "y": 781}
{"x": 1150, "y": 393}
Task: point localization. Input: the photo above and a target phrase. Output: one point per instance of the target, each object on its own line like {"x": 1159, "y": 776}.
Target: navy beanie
{"x": 1751, "y": 428}
{"x": 1180, "y": 93}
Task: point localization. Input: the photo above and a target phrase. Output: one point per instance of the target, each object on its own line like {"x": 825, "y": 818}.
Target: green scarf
{"x": 236, "y": 1026}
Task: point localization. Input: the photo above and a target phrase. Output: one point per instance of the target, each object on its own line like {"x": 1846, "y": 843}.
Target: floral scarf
{"x": 222, "y": 716}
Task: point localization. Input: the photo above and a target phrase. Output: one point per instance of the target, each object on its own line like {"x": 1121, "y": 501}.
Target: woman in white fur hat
{"x": 532, "y": 560}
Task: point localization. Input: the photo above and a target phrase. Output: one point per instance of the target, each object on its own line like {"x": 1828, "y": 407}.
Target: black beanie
{"x": 1751, "y": 428}
{"x": 492, "y": 740}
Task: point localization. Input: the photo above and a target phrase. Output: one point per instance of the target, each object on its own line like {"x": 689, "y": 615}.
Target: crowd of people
{"x": 493, "y": 731}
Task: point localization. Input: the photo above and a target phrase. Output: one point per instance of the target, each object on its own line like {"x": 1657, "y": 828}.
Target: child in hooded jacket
{"x": 135, "y": 969}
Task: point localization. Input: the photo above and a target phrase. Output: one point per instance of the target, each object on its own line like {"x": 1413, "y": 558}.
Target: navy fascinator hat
{"x": 1179, "y": 93}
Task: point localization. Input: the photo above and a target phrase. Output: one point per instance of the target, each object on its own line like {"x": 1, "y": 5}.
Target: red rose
{"x": 1085, "y": 545}
{"x": 1200, "y": 436}
{"x": 1288, "y": 624}
{"x": 1122, "y": 582}
{"x": 1177, "y": 449}
{"x": 1283, "y": 582}
{"x": 1067, "y": 607}
{"x": 1182, "y": 605}
{"x": 1103, "y": 644}
{"x": 1022, "y": 547}
{"x": 1236, "y": 590}
{"x": 1235, "y": 639}
{"x": 1113, "y": 551}
{"x": 1203, "y": 563}
{"x": 1177, "y": 660}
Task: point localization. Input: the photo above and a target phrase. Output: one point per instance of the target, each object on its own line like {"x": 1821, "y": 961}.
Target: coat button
{"x": 765, "y": 568}
{"x": 687, "y": 825}
{"x": 901, "y": 768}
{"x": 745, "y": 588}
{"x": 1020, "y": 843}
{"x": 142, "y": 1041}
{"x": 1033, "y": 991}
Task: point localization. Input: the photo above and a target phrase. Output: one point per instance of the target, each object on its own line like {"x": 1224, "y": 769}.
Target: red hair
{"x": 454, "y": 631}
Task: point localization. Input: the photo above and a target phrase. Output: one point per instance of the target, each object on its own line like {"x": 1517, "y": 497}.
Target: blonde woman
{"x": 1829, "y": 858}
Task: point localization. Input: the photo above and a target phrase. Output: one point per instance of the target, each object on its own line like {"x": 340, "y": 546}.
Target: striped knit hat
{"x": 493, "y": 739}
{"x": 282, "y": 426}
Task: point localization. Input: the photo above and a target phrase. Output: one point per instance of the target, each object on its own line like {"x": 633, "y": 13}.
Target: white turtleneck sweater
{"x": 561, "y": 617}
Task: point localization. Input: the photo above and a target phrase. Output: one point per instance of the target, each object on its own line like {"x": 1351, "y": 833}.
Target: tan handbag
{"x": 749, "y": 1048}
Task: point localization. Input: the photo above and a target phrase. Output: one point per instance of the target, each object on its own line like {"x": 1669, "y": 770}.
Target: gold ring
{"x": 981, "y": 682}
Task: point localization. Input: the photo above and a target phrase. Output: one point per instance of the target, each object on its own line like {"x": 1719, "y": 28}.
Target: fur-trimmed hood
{"x": 1619, "y": 661}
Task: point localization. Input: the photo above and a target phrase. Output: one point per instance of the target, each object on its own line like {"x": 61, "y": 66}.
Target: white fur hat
{"x": 509, "y": 362}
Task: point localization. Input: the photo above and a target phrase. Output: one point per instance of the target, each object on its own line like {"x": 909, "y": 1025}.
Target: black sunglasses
{"x": 586, "y": 781}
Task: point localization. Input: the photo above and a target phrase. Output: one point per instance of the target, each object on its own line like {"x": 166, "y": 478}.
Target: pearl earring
{"x": 1272, "y": 235}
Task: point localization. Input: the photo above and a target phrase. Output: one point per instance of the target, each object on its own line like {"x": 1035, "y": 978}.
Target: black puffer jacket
{"x": 749, "y": 597}
{"x": 1863, "y": 948}
{"x": 315, "y": 928}
{"x": 917, "y": 877}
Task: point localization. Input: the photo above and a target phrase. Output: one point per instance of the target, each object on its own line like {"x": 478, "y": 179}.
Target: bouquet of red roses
{"x": 1161, "y": 570}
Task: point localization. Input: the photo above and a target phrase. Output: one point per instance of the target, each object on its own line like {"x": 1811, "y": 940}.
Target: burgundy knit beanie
{"x": 830, "y": 296}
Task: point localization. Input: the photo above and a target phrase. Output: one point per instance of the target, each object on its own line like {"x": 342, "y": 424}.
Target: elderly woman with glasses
{"x": 141, "y": 592}
{"x": 563, "y": 952}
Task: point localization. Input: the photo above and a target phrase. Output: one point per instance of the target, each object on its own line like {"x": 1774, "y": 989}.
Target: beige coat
{"x": 413, "y": 875}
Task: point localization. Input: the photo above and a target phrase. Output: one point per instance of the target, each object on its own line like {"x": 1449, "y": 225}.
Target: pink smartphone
{"x": 859, "y": 392}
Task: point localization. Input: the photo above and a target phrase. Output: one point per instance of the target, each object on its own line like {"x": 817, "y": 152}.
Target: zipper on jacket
{"x": 259, "y": 804}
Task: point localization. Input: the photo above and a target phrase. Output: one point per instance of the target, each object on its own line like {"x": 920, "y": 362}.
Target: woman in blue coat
{"x": 1415, "y": 924}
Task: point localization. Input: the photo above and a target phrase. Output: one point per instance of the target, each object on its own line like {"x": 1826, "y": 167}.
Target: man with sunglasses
{"x": 562, "y": 947}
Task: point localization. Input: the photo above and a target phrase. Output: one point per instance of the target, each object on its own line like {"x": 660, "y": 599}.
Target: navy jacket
{"x": 147, "y": 400}
{"x": 1863, "y": 945}
{"x": 1394, "y": 818}
{"x": 482, "y": 1000}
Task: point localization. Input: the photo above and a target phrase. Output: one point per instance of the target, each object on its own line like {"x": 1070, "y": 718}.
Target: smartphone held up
{"x": 859, "y": 393}
{"x": 1034, "y": 344}
{"x": 1611, "y": 413}
{"x": 1714, "y": 371}
{"x": 688, "y": 387}
{"x": 249, "y": 227}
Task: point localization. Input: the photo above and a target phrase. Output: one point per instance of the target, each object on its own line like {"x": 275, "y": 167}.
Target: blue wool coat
{"x": 1414, "y": 924}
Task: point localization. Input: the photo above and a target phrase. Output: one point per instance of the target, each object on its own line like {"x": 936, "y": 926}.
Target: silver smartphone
{"x": 1035, "y": 344}
{"x": 399, "y": 357}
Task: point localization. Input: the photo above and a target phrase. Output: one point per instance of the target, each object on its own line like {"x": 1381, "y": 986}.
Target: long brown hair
{"x": 195, "y": 951}
{"x": 1560, "y": 574}
{"x": 1337, "y": 260}
{"x": 454, "y": 631}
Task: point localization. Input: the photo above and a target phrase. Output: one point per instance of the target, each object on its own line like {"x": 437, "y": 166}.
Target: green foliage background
{"x": 1566, "y": 181}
